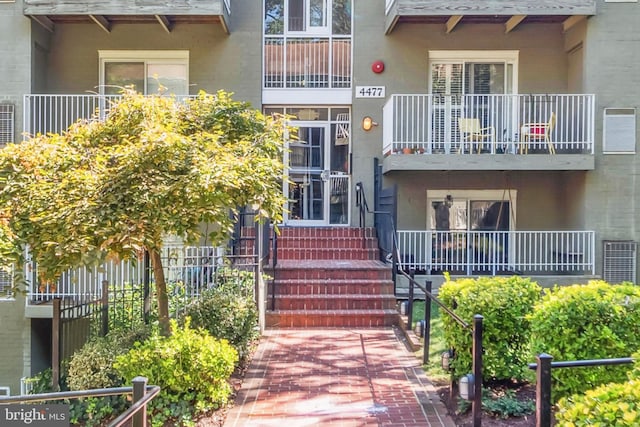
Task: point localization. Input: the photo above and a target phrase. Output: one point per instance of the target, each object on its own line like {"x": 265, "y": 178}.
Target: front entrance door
{"x": 318, "y": 184}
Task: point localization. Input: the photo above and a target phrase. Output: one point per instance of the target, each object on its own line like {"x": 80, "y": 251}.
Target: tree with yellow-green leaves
{"x": 113, "y": 187}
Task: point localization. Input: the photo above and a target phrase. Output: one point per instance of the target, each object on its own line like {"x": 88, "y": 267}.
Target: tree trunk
{"x": 161, "y": 289}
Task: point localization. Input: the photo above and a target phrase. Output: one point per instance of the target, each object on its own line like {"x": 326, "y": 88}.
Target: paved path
{"x": 335, "y": 377}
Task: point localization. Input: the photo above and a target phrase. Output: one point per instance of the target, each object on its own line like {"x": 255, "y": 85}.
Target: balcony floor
{"x": 467, "y": 162}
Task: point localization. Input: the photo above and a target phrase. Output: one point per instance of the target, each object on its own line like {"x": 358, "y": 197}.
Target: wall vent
{"x": 619, "y": 264}
{"x": 619, "y": 131}
{"x": 6, "y": 123}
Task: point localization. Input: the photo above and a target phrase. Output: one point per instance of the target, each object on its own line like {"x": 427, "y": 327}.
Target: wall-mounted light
{"x": 368, "y": 123}
{"x": 467, "y": 387}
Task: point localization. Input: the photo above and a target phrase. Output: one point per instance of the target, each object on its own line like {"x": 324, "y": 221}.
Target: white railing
{"x": 55, "y": 113}
{"x": 307, "y": 62}
{"x": 496, "y": 252}
{"x": 517, "y": 124}
{"x": 193, "y": 267}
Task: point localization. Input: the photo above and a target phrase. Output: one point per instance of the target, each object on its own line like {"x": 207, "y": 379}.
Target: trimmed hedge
{"x": 593, "y": 321}
{"x": 504, "y": 303}
{"x": 608, "y": 405}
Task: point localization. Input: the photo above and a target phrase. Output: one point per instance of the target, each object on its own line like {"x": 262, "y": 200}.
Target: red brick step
{"x": 330, "y": 277}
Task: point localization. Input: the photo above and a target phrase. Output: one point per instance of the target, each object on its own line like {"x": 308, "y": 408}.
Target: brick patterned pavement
{"x": 336, "y": 377}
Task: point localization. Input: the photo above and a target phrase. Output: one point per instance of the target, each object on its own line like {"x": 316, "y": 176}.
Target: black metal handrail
{"x": 142, "y": 395}
{"x": 543, "y": 368}
{"x": 476, "y": 328}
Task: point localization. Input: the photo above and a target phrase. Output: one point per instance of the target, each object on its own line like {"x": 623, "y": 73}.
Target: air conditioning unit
{"x": 619, "y": 263}
{"x": 7, "y": 113}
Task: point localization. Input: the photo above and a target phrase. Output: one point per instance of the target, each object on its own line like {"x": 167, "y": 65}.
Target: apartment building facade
{"x": 507, "y": 127}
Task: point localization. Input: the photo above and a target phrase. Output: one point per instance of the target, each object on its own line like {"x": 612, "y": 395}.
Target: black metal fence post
{"x": 543, "y": 390}
{"x": 427, "y": 322}
{"x": 146, "y": 288}
{"x": 410, "y": 300}
{"x": 104, "y": 319}
{"x": 476, "y": 407}
{"x": 56, "y": 326}
{"x": 139, "y": 389}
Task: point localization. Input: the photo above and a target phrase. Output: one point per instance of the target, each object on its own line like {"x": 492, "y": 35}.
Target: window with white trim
{"x": 150, "y": 72}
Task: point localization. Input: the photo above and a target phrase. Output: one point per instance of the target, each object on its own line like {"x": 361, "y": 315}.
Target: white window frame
{"x": 324, "y": 30}
{"x": 175, "y": 57}
{"x": 475, "y": 56}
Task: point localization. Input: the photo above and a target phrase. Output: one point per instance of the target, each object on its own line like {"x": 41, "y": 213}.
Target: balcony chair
{"x": 472, "y": 133}
{"x": 537, "y": 132}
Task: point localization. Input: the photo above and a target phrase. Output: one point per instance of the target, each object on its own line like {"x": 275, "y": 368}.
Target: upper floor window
{"x": 150, "y": 72}
{"x": 319, "y": 17}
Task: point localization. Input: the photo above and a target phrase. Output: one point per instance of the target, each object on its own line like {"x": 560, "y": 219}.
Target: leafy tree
{"x": 153, "y": 166}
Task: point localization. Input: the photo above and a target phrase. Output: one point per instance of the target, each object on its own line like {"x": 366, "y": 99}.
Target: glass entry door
{"x": 318, "y": 180}
{"x": 470, "y": 90}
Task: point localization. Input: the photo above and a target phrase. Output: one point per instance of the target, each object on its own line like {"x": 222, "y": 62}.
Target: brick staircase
{"x": 330, "y": 277}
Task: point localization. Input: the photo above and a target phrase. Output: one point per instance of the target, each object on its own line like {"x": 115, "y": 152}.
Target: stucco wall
{"x": 15, "y": 66}
{"x": 216, "y": 60}
{"x": 611, "y": 64}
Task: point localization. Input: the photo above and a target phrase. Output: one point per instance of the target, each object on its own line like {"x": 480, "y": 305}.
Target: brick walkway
{"x": 335, "y": 377}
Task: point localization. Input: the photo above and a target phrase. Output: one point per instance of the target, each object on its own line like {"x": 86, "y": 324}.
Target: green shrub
{"x": 606, "y": 406}
{"x": 227, "y": 311}
{"x": 593, "y": 321}
{"x": 91, "y": 367}
{"x": 504, "y": 404}
{"x": 191, "y": 367}
{"x": 504, "y": 303}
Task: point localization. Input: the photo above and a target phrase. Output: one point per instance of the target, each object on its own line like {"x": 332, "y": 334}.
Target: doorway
{"x": 317, "y": 184}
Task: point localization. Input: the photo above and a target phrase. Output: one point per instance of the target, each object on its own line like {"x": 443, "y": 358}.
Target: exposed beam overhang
{"x": 164, "y": 22}
{"x": 513, "y": 22}
{"x": 44, "y": 21}
{"x": 452, "y": 22}
{"x": 571, "y": 21}
{"x": 102, "y": 22}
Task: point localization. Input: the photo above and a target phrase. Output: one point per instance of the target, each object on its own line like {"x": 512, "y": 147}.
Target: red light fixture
{"x": 377, "y": 67}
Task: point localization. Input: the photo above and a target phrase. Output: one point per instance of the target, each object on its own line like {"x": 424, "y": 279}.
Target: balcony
{"x": 55, "y": 113}
{"x": 532, "y": 253}
{"x": 511, "y": 132}
{"x": 511, "y": 13}
{"x": 294, "y": 63}
{"x": 105, "y": 13}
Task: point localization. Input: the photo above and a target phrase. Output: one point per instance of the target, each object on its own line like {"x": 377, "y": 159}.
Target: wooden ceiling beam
{"x": 45, "y": 22}
{"x": 571, "y": 21}
{"x": 513, "y": 22}
{"x": 164, "y": 22}
{"x": 102, "y": 22}
{"x": 452, "y": 22}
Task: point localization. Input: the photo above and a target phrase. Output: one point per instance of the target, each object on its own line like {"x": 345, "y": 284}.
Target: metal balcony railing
{"x": 307, "y": 62}
{"x": 55, "y": 113}
{"x": 194, "y": 268}
{"x": 473, "y": 124}
{"x": 495, "y": 252}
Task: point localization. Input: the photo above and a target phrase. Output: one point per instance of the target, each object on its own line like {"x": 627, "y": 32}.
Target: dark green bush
{"x": 92, "y": 365}
{"x": 227, "y": 311}
{"x": 191, "y": 367}
{"x": 593, "y": 321}
{"x": 504, "y": 303}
